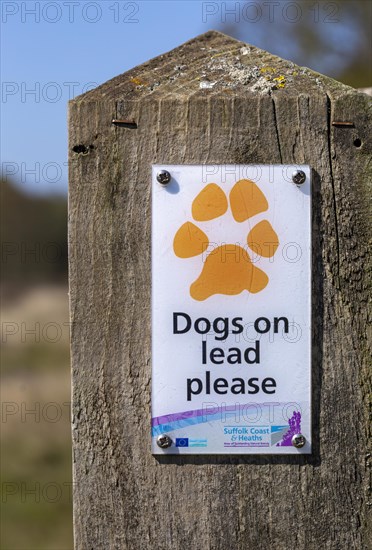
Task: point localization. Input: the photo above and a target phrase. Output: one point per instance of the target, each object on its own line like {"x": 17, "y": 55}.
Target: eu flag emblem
{"x": 182, "y": 441}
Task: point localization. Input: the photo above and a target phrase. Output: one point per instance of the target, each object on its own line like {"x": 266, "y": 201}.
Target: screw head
{"x": 298, "y": 177}
{"x": 164, "y": 441}
{"x": 163, "y": 177}
{"x": 298, "y": 441}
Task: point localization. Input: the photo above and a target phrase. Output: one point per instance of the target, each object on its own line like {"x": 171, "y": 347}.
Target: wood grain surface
{"x": 215, "y": 100}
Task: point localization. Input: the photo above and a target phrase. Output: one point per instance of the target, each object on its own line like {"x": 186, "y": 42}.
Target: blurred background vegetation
{"x": 36, "y": 446}
{"x": 35, "y": 389}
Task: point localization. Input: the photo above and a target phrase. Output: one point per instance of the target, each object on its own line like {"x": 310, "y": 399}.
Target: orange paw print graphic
{"x": 228, "y": 268}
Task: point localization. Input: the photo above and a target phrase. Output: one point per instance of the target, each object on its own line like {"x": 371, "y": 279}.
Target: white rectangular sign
{"x": 231, "y": 309}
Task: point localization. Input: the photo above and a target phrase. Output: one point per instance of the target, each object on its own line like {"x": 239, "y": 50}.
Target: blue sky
{"x": 59, "y": 48}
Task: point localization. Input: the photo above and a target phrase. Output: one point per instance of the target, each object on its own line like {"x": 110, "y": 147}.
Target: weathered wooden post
{"x": 214, "y": 101}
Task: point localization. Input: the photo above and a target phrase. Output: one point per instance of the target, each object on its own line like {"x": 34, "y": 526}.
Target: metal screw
{"x": 298, "y": 441}
{"x": 164, "y": 441}
{"x": 298, "y": 177}
{"x": 163, "y": 177}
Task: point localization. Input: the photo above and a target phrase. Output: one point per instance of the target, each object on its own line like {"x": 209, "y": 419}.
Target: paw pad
{"x": 228, "y": 268}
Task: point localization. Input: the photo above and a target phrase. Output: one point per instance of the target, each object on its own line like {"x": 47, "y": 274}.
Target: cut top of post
{"x": 214, "y": 63}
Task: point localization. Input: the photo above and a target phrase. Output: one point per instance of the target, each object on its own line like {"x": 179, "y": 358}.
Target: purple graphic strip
{"x": 173, "y": 417}
{"x": 206, "y": 411}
